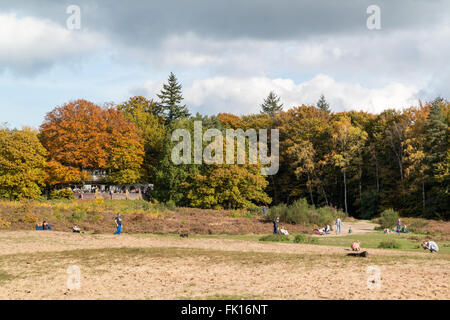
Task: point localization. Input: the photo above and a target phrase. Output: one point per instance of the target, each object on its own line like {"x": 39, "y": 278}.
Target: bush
{"x": 62, "y": 194}
{"x": 416, "y": 225}
{"x": 300, "y": 212}
{"x": 30, "y": 218}
{"x": 388, "y": 218}
{"x": 301, "y": 238}
{"x": 389, "y": 244}
{"x": 275, "y": 238}
{"x": 78, "y": 214}
{"x": 170, "y": 205}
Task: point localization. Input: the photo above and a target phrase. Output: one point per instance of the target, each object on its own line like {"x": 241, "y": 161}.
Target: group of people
{"x": 43, "y": 226}
{"x": 400, "y": 228}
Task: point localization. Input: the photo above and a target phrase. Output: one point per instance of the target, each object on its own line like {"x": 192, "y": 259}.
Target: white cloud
{"x": 29, "y": 44}
{"x": 244, "y": 95}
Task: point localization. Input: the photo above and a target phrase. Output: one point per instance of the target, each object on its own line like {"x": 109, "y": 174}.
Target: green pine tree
{"x": 272, "y": 104}
{"x": 170, "y": 100}
{"x": 323, "y": 105}
{"x": 436, "y": 129}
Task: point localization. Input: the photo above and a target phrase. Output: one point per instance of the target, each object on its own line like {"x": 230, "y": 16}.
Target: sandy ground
{"x": 33, "y": 265}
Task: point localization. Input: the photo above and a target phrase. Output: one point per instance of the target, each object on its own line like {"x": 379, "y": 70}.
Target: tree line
{"x": 356, "y": 161}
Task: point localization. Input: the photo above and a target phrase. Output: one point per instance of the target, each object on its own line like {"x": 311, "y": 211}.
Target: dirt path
{"x": 358, "y": 227}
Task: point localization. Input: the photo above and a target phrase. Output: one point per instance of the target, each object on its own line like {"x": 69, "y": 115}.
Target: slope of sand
{"x": 33, "y": 265}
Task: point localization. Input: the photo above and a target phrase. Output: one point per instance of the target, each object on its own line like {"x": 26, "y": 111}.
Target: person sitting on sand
{"x": 76, "y": 229}
{"x": 327, "y": 229}
{"x": 356, "y": 246}
{"x": 430, "y": 245}
{"x": 350, "y": 230}
{"x": 46, "y": 226}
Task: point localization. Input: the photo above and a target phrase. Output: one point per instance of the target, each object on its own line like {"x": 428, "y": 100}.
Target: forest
{"x": 358, "y": 162}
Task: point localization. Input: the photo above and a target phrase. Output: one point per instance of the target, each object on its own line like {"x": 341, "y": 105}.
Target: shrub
{"x": 170, "y": 205}
{"x": 389, "y": 244}
{"x": 301, "y": 238}
{"x": 62, "y": 194}
{"x": 4, "y": 224}
{"x": 275, "y": 238}
{"x": 300, "y": 212}
{"x": 388, "y": 218}
{"x": 30, "y": 218}
{"x": 416, "y": 225}
{"x": 78, "y": 214}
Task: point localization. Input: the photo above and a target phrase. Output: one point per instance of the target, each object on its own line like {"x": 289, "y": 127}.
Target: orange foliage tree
{"x": 81, "y": 135}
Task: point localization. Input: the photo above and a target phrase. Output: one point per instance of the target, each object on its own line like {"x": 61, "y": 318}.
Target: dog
{"x": 184, "y": 235}
{"x": 386, "y": 230}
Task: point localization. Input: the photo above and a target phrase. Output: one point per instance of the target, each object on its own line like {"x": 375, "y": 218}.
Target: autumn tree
{"x": 416, "y": 167}
{"x": 125, "y": 149}
{"x": 349, "y": 140}
{"x": 146, "y": 116}
{"x": 75, "y": 135}
{"x": 22, "y": 163}
{"x": 81, "y": 135}
{"x": 229, "y": 186}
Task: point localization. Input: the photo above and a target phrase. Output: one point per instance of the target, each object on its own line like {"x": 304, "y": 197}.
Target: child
{"x": 356, "y": 246}
{"x": 350, "y": 230}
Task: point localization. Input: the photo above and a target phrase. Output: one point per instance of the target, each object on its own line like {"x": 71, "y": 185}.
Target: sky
{"x": 228, "y": 55}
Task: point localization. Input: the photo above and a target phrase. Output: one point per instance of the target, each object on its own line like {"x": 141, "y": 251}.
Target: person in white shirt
{"x": 430, "y": 245}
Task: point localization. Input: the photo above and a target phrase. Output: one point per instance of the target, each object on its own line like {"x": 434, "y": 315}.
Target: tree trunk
{"x": 275, "y": 198}
{"x": 345, "y": 192}
{"x": 325, "y": 195}
{"x": 423, "y": 197}
{"x": 377, "y": 174}
{"x": 360, "y": 190}
{"x": 310, "y": 190}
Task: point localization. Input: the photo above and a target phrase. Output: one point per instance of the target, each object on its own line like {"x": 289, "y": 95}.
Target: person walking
{"x": 338, "y": 225}
{"x": 118, "y": 221}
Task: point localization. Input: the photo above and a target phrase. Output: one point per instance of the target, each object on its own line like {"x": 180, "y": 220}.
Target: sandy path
{"x": 358, "y": 227}
{"x": 322, "y": 274}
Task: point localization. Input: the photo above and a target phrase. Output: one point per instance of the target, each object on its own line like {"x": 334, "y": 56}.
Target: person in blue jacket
{"x": 118, "y": 221}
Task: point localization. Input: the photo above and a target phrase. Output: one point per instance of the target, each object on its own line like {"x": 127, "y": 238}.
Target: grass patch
{"x": 301, "y": 238}
{"x": 408, "y": 242}
{"x": 4, "y": 276}
{"x": 275, "y": 238}
{"x": 389, "y": 244}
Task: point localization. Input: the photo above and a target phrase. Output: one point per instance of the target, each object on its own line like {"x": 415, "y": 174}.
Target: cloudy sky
{"x": 228, "y": 54}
